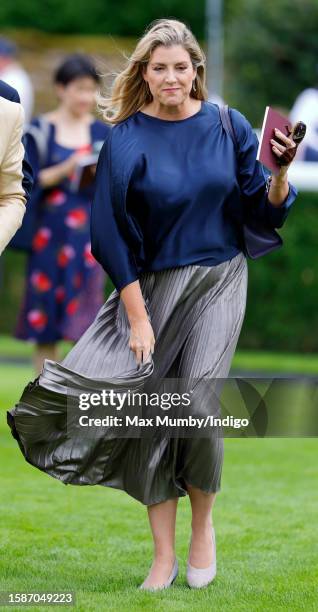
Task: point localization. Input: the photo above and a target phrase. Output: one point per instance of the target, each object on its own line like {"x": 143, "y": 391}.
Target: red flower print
{"x": 77, "y": 280}
{"x": 85, "y": 149}
{"x": 65, "y": 254}
{"x": 60, "y": 294}
{"x": 40, "y": 281}
{"x": 41, "y": 238}
{"x": 55, "y": 198}
{"x": 72, "y": 306}
{"x": 37, "y": 319}
{"x": 90, "y": 261}
{"x": 76, "y": 218}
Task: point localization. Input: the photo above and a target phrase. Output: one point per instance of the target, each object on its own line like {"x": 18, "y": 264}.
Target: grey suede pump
{"x": 170, "y": 581}
{"x": 198, "y": 578}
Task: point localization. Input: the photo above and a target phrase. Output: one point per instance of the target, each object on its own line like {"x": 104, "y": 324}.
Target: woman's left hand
{"x": 285, "y": 152}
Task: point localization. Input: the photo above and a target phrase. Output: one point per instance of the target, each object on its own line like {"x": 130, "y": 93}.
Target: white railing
{"x": 304, "y": 175}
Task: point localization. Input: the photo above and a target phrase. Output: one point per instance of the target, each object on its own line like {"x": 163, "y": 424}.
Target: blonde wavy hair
{"x": 129, "y": 91}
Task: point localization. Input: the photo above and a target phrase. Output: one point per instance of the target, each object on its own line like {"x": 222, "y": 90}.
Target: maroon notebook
{"x": 272, "y": 119}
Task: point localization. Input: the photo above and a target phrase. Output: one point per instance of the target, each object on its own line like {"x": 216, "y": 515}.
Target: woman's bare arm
{"x": 48, "y": 177}
{"x": 142, "y": 338}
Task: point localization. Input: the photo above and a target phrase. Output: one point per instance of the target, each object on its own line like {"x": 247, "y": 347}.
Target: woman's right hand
{"x": 142, "y": 340}
{"x": 49, "y": 177}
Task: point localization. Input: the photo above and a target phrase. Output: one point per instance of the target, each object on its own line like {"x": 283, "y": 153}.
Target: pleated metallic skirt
{"x": 196, "y": 313}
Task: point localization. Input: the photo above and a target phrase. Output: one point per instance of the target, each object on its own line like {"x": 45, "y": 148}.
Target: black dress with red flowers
{"x": 64, "y": 283}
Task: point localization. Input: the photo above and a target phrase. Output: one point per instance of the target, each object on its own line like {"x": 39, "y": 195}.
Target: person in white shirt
{"x": 305, "y": 109}
{"x": 12, "y": 73}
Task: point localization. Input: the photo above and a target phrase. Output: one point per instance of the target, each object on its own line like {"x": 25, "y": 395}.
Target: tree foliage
{"x": 122, "y": 18}
{"x": 271, "y": 54}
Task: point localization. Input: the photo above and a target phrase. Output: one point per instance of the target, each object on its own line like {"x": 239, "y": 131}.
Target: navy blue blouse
{"x": 184, "y": 193}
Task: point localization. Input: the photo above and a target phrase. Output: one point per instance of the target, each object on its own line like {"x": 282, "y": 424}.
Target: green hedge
{"x": 281, "y": 310}
{"x": 283, "y": 287}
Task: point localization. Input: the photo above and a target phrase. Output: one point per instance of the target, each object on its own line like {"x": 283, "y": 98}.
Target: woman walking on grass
{"x": 167, "y": 227}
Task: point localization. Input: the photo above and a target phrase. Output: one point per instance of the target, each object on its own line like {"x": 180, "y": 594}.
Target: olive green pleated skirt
{"x": 196, "y": 314}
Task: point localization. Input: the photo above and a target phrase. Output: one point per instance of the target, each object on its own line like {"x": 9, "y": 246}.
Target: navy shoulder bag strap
{"x": 259, "y": 238}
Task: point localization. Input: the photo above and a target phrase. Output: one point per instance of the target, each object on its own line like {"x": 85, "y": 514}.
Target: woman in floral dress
{"x": 64, "y": 283}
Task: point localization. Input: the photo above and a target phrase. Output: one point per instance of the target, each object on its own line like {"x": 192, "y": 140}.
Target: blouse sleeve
{"x": 31, "y": 149}
{"x": 108, "y": 245}
{"x": 252, "y": 176}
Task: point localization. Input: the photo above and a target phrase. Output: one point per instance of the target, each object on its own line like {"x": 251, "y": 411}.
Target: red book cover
{"x": 272, "y": 120}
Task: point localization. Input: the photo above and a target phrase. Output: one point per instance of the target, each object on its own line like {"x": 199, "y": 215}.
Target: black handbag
{"x": 259, "y": 238}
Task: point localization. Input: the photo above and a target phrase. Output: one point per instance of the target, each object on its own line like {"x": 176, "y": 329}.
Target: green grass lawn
{"x": 96, "y": 541}
{"x": 245, "y": 360}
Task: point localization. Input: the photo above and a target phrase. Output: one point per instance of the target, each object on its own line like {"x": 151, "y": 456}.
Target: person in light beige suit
{"x": 12, "y": 193}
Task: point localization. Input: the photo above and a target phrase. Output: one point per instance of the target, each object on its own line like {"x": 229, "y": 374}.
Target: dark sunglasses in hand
{"x": 298, "y": 132}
